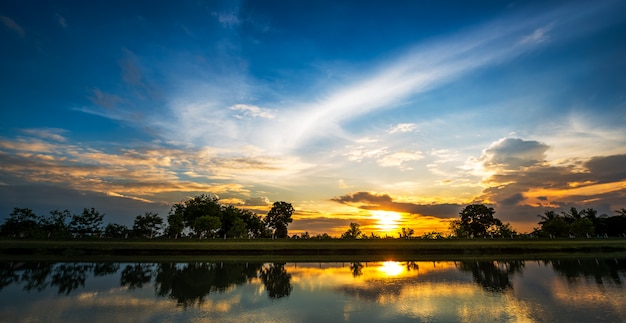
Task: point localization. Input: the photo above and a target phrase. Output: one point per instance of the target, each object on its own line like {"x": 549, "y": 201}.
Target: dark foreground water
{"x": 571, "y": 290}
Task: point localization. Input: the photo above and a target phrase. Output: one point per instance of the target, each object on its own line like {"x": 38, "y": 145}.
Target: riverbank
{"x": 306, "y": 249}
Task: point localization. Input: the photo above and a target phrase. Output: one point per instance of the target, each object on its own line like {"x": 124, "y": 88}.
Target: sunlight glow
{"x": 391, "y": 268}
{"x": 387, "y": 220}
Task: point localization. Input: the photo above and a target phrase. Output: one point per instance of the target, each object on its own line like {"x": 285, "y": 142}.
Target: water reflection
{"x": 493, "y": 276}
{"x": 550, "y": 290}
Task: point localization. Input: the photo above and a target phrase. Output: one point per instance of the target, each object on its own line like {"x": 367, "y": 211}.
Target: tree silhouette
{"x": 279, "y": 217}
{"x": 87, "y": 223}
{"x": 147, "y": 225}
{"x": 477, "y": 219}
{"x": 354, "y": 232}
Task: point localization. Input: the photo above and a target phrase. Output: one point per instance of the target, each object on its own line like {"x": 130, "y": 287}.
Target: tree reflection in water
{"x": 356, "y": 268}
{"x": 136, "y": 275}
{"x": 598, "y": 269}
{"x": 492, "y": 276}
{"x": 276, "y": 280}
{"x": 190, "y": 283}
{"x": 38, "y": 276}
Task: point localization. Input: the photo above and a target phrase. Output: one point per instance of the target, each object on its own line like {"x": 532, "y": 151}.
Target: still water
{"x": 566, "y": 290}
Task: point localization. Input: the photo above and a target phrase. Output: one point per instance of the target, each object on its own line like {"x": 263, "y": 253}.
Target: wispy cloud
{"x": 400, "y": 159}
{"x": 139, "y": 173}
{"x": 47, "y": 133}
{"x": 402, "y": 127}
{"x": 62, "y": 21}
{"x": 421, "y": 69}
{"x": 11, "y": 24}
{"x": 251, "y": 111}
{"x": 538, "y": 36}
{"x": 228, "y": 19}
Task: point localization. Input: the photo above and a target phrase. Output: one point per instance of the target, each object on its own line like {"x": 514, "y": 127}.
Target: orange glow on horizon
{"x": 575, "y": 190}
{"x": 387, "y": 221}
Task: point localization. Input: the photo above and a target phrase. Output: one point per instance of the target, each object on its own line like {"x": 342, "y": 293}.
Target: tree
{"x": 175, "y": 224}
{"x": 616, "y": 225}
{"x": 572, "y": 215}
{"x": 183, "y": 215}
{"x": 406, "y": 233}
{"x": 206, "y": 226}
{"x": 21, "y": 223}
{"x": 477, "y": 219}
{"x": 254, "y": 224}
{"x": 114, "y": 230}
{"x": 457, "y": 230}
{"x": 147, "y": 225}
{"x": 354, "y": 232}
{"x": 87, "y": 223}
{"x": 582, "y": 227}
{"x": 505, "y": 230}
{"x": 57, "y": 224}
{"x": 553, "y": 224}
{"x": 279, "y": 217}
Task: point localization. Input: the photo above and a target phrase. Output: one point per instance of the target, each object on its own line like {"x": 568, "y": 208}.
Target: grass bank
{"x": 295, "y": 250}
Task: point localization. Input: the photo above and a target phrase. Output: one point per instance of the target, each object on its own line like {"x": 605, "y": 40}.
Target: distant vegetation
{"x": 199, "y": 217}
{"x": 204, "y": 217}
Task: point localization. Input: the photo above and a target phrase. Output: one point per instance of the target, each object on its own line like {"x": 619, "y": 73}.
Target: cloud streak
{"x": 14, "y": 26}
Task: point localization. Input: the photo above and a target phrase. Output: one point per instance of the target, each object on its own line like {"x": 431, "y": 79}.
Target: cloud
{"x": 62, "y": 21}
{"x": 47, "y": 133}
{"x": 421, "y": 69}
{"x": 359, "y": 153}
{"x": 43, "y": 198}
{"x": 105, "y": 100}
{"x": 538, "y": 36}
{"x": 133, "y": 76}
{"x": 607, "y": 169}
{"x": 11, "y": 24}
{"x": 399, "y": 159}
{"x": 258, "y": 201}
{"x": 402, "y": 127}
{"x": 227, "y": 19}
{"x": 513, "y": 153}
{"x": 521, "y": 193}
{"x": 252, "y": 111}
{"x": 384, "y": 202}
{"x": 142, "y": 173}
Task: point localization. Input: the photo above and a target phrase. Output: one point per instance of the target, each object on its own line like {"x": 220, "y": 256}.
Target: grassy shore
{"x": 307, "y": 249}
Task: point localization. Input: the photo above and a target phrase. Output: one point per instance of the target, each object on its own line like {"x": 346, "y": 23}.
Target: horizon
{"x": 389, "y": 116}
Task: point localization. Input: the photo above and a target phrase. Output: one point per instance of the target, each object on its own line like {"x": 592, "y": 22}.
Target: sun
{"x": 387, "y": 220}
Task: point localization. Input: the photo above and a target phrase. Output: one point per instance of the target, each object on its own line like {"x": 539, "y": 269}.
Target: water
{"x": 566, "y": 290}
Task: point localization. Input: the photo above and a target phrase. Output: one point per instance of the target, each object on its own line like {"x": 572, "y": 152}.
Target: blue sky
{"x": 351, "y": 111}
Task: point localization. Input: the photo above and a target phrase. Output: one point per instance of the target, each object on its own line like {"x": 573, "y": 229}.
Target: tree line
{"x": 478, "y": 220}
{"x": 583, "y": 223}
{"x": 205, "y": 217}
{"x": 202, "y": 216}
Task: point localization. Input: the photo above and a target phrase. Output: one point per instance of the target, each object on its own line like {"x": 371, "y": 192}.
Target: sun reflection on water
{"x": 391, "y": 268}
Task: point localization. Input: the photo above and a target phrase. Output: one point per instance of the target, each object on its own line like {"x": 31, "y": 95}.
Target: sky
{"x": 386, "y": 113}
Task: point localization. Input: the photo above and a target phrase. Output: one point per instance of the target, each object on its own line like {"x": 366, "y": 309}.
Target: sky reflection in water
{"x": 468, "y": 291}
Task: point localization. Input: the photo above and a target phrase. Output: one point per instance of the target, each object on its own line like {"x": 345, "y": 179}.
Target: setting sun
{"x": 387, "y": 221}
